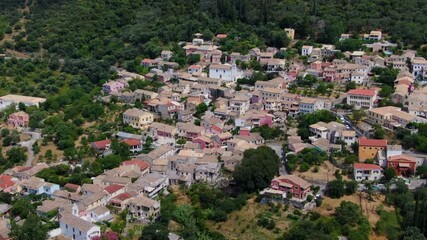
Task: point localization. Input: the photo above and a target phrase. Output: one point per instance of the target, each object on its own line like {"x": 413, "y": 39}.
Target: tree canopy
{"x": 257, "y": 169}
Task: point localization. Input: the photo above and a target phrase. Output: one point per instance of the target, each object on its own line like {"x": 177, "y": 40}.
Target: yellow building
{"x": 370, "y": 148}
{"x": 137, "y": 118}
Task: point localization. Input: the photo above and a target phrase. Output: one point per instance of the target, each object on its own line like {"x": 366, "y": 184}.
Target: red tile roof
{"x": 364, "y": 92}
{"x": 113, "y": 188}
{"x": 147, "y": 60}
{"x": 142, "y": 164}
{"x": 221, "y": 35}
{"x": 6, "y": 181}
{"x": 366, "y": 166}
{"x": 102, "y": 144}
{"x": 372, "y": 142}
{"x": 72, "y": 186}
{"x": 401, "y": 158}
{"x": 121, "y": 197}
{"x": 132, "y": 142}
{"x": 194, "y": 67}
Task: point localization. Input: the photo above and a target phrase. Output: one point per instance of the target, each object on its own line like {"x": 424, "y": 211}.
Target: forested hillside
{"x": 123, "y": 29}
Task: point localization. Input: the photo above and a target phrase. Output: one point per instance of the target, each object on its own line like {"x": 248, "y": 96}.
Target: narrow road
{"x": 29, "y": 145}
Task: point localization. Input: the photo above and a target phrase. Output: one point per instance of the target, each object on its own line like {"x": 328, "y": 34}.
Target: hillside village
{"x": 175, "y": 126}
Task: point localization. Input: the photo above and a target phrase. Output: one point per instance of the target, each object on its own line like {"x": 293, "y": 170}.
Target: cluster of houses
{"x": 195, "y": 149}
{"x": 131, "y": 186}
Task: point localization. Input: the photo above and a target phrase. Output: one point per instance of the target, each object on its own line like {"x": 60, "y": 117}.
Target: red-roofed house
{"x": 119, "y": 201}
{"x": 403, "y": 165}
{"x": 193, "y": 69}
{"x": 72, "y": 187}
{"x": 101, "y": 146}
{"x": 143, "y": 165}
{"x": 362, "y": 98}
{"x": 365, "y": 171}
{"x": 148, "y": 63}
{"x": 204, "y": 142}
{"x": 135, "y": 145}
{"x": 114, "y": 190}
{"x": 6, "y": 183}
{"x": 369, "y": 148}
{"x": 291, "y": 183}
{"x": 221, "y": 36}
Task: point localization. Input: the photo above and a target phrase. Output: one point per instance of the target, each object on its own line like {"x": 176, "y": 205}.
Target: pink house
{"x": 204, "y": 142}
{"x": 293, "y": 184}
{"x": 18, "y": 119}
{"x": 113, "y": 87}
{"x": 216, "y": 56}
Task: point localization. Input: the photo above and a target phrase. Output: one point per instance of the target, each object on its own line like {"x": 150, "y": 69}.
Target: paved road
{"x": 277, "y": 146}
{"x": 347, "y": 121}
{"x": 29, "y": 145}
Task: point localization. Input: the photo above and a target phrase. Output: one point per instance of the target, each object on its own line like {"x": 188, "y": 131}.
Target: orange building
{"x": 369, "y": 148}
{"x": 403, "y": 165}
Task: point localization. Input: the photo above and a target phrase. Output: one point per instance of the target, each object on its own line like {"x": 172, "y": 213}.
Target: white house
{"x": 306, "y": 50}
{"x": 226, "y": 72}
{"x": 365, "y": 98}
{"x": 357, "y": 77}
{"x": 78, "y": 229}
{"x": 419, "y": 65}
{"x": 365, "y": 171}
{"x": 309, "y": 105}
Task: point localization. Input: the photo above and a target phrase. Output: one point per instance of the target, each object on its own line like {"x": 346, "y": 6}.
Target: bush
{"x": 266, "y": 223}
{"x": 309, "y": 198}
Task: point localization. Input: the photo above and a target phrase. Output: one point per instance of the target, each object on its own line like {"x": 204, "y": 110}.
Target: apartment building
{"x": 362, "y": 98}
{"x": 366, "y": 171}
{"x": 137, "y": 118}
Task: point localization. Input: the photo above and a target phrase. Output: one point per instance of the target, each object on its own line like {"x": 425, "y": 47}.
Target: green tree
{"x": 121, "y": 149}
{"x": 350, "y": 187}
{"x": 31, "y": 229}
{"x": 154, "y": 231}
{"x": 17, "y": 154}
{"x": 335, "y": 188}
{"x": 257, "y": 169}
{"x": 389, "y": 174}
{"x": 386, "y": 91}
{"x": 348, "y": 213}
{"x": 379, "y": 132}
{"x": 193, "y": 58}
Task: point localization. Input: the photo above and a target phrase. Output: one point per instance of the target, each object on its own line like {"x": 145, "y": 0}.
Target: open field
{"x": 368, "y": 207}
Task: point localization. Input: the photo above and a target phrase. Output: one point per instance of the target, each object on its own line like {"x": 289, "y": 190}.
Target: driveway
{"x": 29, "y": 145}
{"x": 277, "y": 147}
{"x": 347, "y": 121}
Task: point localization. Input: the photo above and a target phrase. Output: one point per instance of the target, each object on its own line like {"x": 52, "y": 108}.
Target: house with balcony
{"x": 309, "y": 105}
{"x": 298, "y": 187}
{"x": 143, "y": 208}
{"x": 362, "y": 98}
{"x": 135, "y": 146}
{"x": 18, "y": 119}
{"x": 137, "y": 118}
{"x": 367, "y": 172}
{"x": 150, "y": 185}
{"x": 36, "y": 186}
{"x": 404, "y": 165}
